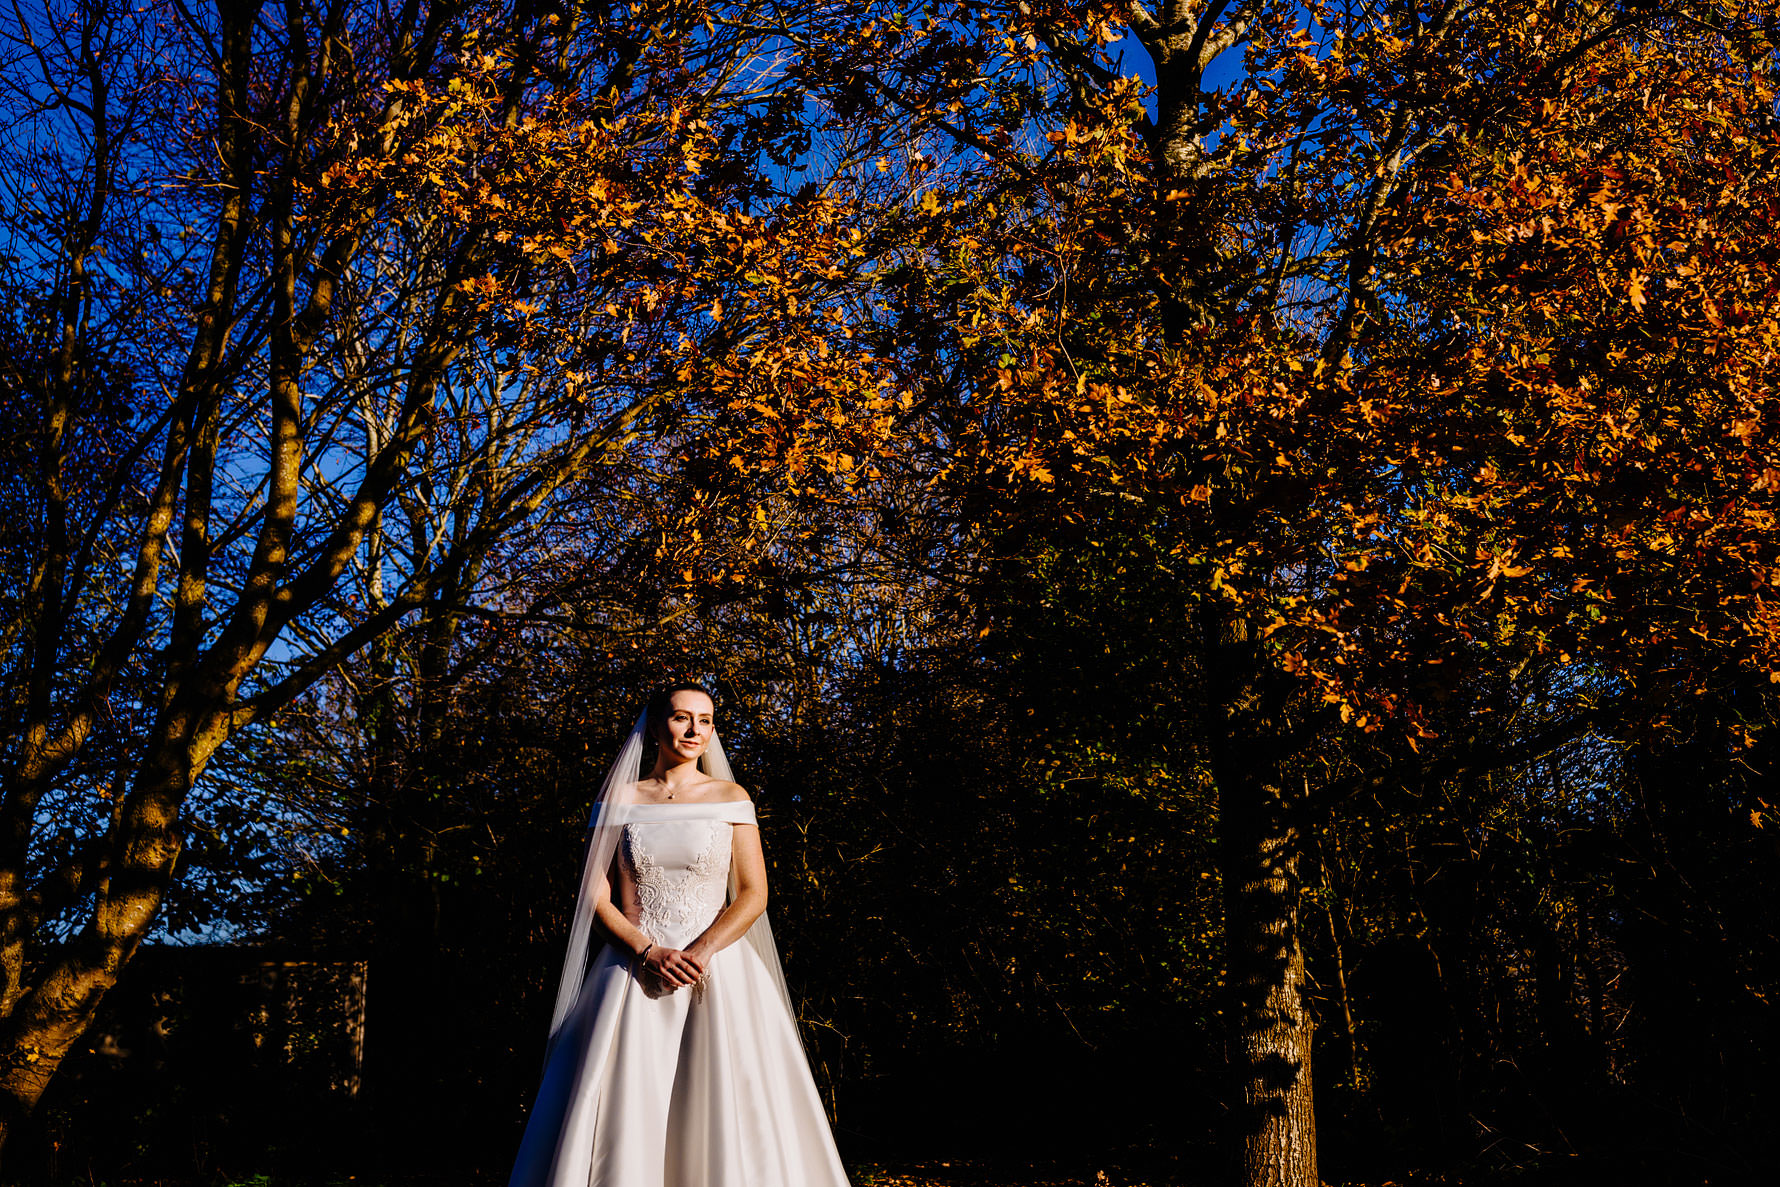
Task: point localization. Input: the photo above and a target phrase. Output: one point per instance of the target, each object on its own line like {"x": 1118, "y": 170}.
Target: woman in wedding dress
{"x": 674, "y": 1059}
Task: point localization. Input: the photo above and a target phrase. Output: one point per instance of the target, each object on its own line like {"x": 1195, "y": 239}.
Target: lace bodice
{"x": 681, "y": 873}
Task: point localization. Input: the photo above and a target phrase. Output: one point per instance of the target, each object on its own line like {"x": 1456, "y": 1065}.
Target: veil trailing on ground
{"x": 616, "y": 794}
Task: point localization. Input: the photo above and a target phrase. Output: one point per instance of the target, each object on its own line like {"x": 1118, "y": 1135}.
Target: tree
{"x": 1434, "y": 344}
{"x": 332, "y": 291}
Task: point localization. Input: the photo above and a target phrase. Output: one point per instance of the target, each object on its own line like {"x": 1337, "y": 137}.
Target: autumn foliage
{"x": 1381, "y": 397}
{"x": 1485, "y": 367}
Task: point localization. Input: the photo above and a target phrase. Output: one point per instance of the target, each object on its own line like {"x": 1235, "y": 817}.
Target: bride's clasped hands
{"x": 672, "y": 968}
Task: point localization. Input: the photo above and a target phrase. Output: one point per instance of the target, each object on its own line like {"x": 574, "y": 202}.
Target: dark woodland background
{"x": 997, "y": 908}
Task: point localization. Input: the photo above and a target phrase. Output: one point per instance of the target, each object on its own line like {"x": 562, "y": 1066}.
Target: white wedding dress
{"x": 704, "y": 1086}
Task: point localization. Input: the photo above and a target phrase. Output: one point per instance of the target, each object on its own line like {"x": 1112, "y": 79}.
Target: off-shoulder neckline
{"x": 683, "y": 803}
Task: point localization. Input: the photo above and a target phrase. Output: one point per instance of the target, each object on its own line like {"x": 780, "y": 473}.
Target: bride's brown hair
{"x": 662, "y": 701}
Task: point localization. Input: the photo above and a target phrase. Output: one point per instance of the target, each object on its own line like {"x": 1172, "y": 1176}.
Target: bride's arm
{"x": 749, "y": 900}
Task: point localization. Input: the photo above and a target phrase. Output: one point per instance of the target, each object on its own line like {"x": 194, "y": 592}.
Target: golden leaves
{"x": 1031, "y": 465}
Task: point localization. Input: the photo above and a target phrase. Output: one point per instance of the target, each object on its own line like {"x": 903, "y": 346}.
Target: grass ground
{"x": 933, "y": 1174}
{"x": 937, "y": 1174}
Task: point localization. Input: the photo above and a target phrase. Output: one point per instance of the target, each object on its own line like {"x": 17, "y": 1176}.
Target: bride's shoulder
{"x": 725, "y": 792}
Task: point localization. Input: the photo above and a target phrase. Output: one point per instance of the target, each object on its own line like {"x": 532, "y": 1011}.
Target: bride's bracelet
{"x": 644, "y": 954}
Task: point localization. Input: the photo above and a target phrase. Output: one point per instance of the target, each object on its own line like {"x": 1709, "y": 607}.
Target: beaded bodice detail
{"x": 681, "y": 868}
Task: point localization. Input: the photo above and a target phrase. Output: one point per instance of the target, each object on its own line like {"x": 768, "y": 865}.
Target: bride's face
{"x": 689, "y": 724}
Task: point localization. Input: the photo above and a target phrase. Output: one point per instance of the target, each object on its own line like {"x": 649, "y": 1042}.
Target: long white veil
{"x": 603, "y": 828}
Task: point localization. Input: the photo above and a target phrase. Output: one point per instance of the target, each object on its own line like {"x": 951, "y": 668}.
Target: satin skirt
{"x": 705, "y": 1088}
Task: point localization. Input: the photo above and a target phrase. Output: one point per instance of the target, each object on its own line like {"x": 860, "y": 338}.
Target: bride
{"x": 673, "y": 1058}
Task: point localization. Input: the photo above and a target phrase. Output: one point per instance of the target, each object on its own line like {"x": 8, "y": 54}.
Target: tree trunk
{"x": 410, "y": 770}
{"x": 1259, "y": 844}
{"x": 52, "y": 1015}
{"x": 1270, "y": 1024}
